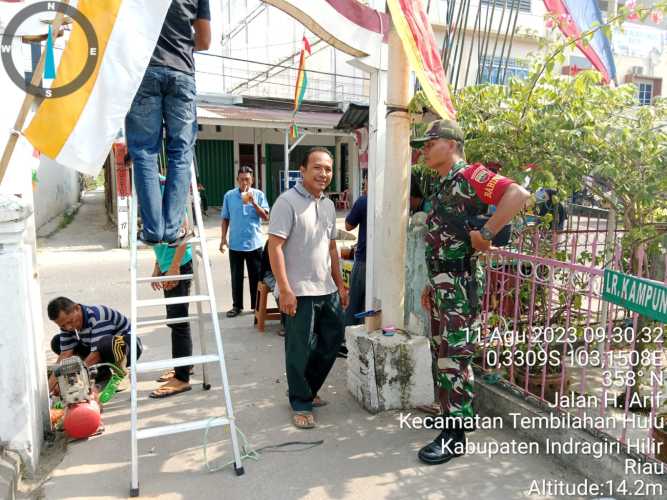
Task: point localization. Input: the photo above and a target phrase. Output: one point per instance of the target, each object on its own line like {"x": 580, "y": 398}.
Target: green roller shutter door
{"x": 215, "y": 160}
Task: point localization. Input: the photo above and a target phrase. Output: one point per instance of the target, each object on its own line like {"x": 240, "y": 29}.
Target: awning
{"x": 354, "y": 117}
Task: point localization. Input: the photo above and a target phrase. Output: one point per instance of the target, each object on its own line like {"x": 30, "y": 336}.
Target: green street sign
{"x": 641, "y": 295}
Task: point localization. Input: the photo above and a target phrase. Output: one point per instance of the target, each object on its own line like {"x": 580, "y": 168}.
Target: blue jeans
{"x": 165, "y": 96}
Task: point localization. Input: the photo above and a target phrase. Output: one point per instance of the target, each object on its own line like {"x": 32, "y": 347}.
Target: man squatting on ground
{"x": 304, "y": 260}
{"x": 454, "y": 293}
{"x": 167, "y": 95}
{"x": 97, "y": 334}
{"x": 243, "y": 210}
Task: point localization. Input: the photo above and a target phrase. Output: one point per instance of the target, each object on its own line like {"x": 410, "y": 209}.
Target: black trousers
{"x": 253, "y": 262}
{"x": 181, "y": 337}
{"x": 112, "y": 349}
{"x": 312, "y": 339}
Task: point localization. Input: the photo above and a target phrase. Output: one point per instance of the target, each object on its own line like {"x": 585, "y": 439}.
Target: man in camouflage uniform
{"x": 455, "y": 287}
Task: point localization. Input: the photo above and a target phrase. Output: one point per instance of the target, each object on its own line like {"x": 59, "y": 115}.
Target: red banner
{"x": 413, "y": 27}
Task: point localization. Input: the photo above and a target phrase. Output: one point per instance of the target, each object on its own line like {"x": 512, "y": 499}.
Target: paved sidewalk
{"x": 363, "y": 456}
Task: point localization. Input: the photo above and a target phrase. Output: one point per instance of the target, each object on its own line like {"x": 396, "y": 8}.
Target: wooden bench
{"x": 262, "y": 313}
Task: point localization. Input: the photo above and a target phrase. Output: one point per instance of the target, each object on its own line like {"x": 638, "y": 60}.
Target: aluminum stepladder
{"x": 199, "y": 258}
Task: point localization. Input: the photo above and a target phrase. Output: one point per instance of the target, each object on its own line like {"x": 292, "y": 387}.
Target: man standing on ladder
{"x": 455, "y": 289}
{"x": 167, "y": 95}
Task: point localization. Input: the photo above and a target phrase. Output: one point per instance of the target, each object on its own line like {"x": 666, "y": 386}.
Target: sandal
{"x": 167, "y": 390}
{"x": 303, "y": 419}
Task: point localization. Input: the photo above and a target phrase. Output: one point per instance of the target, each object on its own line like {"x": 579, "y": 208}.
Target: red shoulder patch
{"x": 489, "y": 186}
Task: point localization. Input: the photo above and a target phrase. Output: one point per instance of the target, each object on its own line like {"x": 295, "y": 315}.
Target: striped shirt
{"x": 98, "y": 322}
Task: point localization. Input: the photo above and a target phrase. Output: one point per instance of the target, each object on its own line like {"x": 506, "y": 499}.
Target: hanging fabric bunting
{"x": 348, "y": 25}
{"x": 301, "y": 85}
{"x": 575, "y": 17}
{"x": 413, "y": 27}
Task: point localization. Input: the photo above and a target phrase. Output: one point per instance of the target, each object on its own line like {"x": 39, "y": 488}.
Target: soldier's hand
{"x": 427, "y": 293}
{"x": 479, "y": 243}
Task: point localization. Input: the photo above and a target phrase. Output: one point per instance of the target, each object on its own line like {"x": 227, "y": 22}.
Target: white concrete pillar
{"x": 391, "y": 227}
{"x": 23, "y": 390}
{"x": 376, "y": 169}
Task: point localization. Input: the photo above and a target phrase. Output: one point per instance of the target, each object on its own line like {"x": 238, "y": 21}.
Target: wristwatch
{"x": 486, "y": 233}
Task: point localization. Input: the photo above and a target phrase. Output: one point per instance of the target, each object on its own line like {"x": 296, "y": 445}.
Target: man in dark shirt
{"x": 167, "y": 95}
{"x": 357, "y": 217}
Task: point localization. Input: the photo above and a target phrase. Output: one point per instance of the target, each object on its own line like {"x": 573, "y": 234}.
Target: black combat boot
{"x": 444, "y": 447}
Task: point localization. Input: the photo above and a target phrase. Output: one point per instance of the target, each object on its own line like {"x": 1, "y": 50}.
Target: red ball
{"x": 82, "y": 419}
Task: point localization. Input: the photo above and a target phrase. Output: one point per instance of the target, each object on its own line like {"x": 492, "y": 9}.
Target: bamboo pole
{"x": 28, "y": 101}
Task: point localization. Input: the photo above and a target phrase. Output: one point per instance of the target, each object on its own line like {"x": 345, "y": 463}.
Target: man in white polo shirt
{"x": 304, "y": 260}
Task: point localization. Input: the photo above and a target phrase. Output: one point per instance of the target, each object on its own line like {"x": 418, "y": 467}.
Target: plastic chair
{"x": 343, "y": 201}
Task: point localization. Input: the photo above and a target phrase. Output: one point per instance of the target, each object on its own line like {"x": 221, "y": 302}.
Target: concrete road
{"x": 362, "y": 456}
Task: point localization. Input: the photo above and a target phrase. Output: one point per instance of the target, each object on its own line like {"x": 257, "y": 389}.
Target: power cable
{"x": 279, "y": 65}
{"x": 247, "y": 452}
{"x": 509, "y": 50}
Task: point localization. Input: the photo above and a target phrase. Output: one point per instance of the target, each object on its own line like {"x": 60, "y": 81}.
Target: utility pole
{"x": 391, "y": 225}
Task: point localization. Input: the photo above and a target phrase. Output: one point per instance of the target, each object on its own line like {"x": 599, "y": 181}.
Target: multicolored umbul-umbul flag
{"x": 301, "y": 85}
{"x": 77, "y": 130}
{"x": 575, "y": 17}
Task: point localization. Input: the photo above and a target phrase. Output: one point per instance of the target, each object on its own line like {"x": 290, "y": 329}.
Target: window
{"x": 494, "y": 70}
{"x": 645, "y": 93}
{"x": 524, "y": 5}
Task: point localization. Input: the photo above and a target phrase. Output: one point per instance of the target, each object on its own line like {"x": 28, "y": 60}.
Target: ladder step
{"x": 151, "y": 279}
{"x": 165, "y": 430}
{"x": 165, "y": 321}
{"x": 151, "y": 366}
{"x": 172, "y": 300}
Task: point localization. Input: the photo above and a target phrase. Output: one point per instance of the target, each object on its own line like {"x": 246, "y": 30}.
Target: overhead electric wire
{"x": 278, "y": 65}
{"x": 487, "y": 36}
{"x": 314, "y": 89}
{"x": 509, "y": 50}
{"x": 478, "y": 22}
{"x": 277, "y": 72}
{"x": 483, "y": 46}
{"x": 495, "y": 43}
{"x": 447, "y": 41}
{"x": 463, "y": 26}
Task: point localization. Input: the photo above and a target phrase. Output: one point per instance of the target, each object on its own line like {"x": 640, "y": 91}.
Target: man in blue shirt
{"x": 357, "y": 217}
{"x": 243, "y": 210}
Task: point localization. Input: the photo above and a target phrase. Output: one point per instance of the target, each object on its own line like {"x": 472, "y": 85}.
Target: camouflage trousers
{"x": 454, "y": 323}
